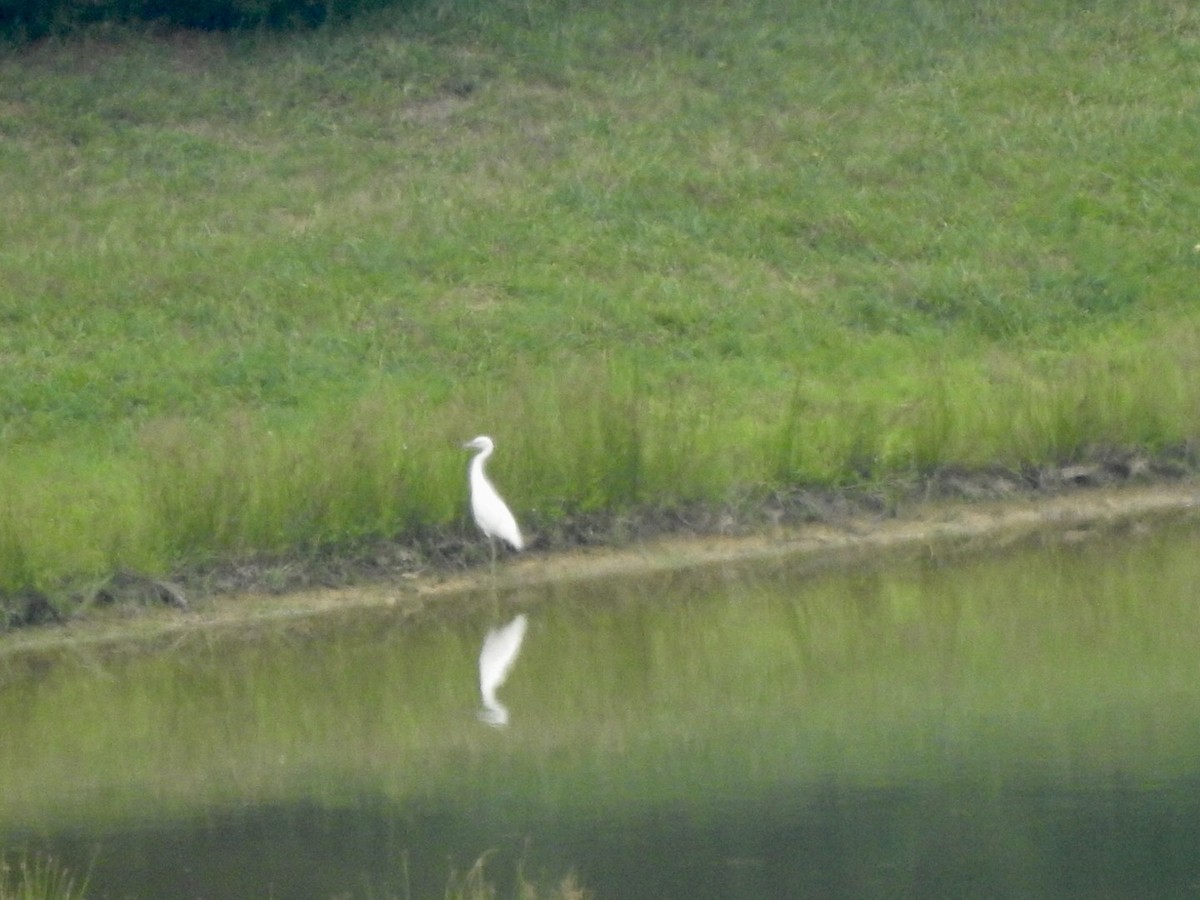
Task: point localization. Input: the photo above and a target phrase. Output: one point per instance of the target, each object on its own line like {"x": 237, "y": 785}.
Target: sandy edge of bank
{"x": 972, "y": 523}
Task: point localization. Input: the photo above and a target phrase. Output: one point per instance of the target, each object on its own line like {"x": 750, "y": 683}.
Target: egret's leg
{"x": 495, "y": 592}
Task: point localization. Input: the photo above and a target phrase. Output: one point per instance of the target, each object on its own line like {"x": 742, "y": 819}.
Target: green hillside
{"x": 259, "y": 286}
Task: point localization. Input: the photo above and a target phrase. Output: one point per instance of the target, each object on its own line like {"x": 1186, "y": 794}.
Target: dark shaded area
{"x": 959, "y": 839}
{"x": 27, "y": 607}
{"x": 26, "y": 20}
{"x": 130, "y": 587}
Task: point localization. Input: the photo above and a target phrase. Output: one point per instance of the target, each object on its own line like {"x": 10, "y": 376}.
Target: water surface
{"x": 1021, "y": 723}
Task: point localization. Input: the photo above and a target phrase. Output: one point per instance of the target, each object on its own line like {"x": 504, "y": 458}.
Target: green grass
{"x": 258, "y": 287}
{"x": 475, "y": 884}
{"x": 36, "y": 877}
{"x": 42, "y": 878}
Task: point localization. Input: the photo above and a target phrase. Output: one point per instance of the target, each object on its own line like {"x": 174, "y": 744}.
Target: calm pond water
{"x": 1024, "y": 723}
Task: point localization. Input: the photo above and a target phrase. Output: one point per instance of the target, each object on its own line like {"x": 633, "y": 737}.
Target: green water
{"x": 1019, "y": 723}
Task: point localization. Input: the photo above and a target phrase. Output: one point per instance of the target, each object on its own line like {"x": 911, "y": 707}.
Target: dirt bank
{"x": 1065, "y": 515}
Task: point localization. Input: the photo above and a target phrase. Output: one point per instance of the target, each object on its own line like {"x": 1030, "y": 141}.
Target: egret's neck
{"x": 479, "y": 460}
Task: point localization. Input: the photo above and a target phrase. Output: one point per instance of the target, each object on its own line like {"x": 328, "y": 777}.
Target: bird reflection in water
{"x": 500, "y": 649}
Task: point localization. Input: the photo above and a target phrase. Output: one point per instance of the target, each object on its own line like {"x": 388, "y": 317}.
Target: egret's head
{"x": 483, "y": 442}
{"x": 496, "y": 715}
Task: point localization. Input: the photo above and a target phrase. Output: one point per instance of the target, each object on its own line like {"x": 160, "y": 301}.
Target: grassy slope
{"x": 257, "y": 287}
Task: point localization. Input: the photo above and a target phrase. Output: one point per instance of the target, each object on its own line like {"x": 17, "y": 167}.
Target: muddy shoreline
{"x": 845, "y": 529}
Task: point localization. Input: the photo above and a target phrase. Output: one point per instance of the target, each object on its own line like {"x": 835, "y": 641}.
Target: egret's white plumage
{"x": 492, "y": 516}
{"x": 500, "y": 649}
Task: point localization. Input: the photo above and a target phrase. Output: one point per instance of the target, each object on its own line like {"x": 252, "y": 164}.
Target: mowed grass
{"x": 258, "y": 287}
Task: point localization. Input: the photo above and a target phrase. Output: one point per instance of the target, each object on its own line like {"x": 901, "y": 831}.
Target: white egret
{"x": 493, "y": 517}
{"x": 500, "y": 649}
